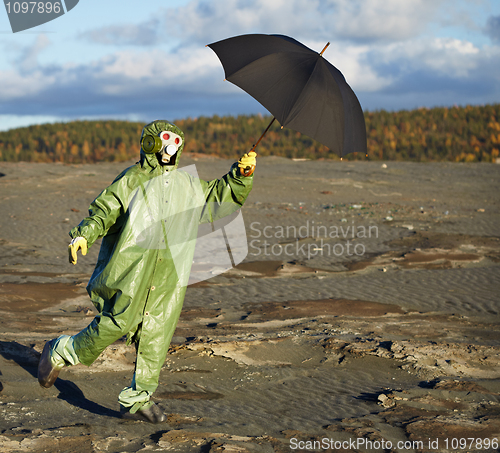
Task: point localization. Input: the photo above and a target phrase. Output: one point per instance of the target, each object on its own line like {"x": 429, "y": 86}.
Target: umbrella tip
{"x": 324, "y": 48}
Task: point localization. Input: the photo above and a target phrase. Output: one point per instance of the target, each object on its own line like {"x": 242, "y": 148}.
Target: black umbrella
{"x": 298, "y": 86}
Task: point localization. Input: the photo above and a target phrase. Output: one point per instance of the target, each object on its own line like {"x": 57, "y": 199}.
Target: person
{"x": 148, "y": 220}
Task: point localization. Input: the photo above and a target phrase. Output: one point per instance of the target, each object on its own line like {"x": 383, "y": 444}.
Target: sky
{"x": 143, "y": 60}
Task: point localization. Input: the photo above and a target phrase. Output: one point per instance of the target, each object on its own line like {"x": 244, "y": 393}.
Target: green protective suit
{"x": 148, "y": 219}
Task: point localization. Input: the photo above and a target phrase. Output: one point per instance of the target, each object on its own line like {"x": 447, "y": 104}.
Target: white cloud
{"x": 139, "y": 82}
{"x": 383, "y": 48}
{"x": 382, "y": 19}
{"x": 452, "y": 56}
{"x": 358, "y": 20}
{"x": 444, "y": 56}
{"x": 128, "y": 79}
{"x": 190, "y": 69}
{"x": 16, "y": 85}
{"x": 28, "y": 57}
{"x": 352, "y": 62}
{"x": 142, "y": 34}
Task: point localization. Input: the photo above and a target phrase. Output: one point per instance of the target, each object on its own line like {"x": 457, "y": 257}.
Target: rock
{"x": 385, "y": 401}
{"x": 449, "y": 428}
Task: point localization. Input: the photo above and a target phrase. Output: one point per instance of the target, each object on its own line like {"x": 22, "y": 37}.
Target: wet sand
{"x": 366, "y": 311}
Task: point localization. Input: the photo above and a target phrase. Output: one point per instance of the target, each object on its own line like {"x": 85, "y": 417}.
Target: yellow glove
{"x": 78, "y": 243}
{"x": 247, "y": 163}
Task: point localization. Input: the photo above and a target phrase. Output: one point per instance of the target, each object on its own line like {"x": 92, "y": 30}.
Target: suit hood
{"x": 154, "y": 129}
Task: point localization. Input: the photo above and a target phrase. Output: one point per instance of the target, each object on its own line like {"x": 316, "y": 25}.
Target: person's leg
{"x": 136, "y": 405}
{"x": 84, "y": 347}
{"x": 132, "y": 400}
{"x": 152, "y": 341}
{"x": 103, "y": 331}
{"x": 117, "y": 317}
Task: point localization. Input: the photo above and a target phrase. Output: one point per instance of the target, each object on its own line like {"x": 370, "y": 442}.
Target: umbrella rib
{"x": 296, "y": 111}
{"x": 288, "y": 120}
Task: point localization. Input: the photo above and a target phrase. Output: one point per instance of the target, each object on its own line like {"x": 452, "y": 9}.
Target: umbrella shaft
{"x": 263, "y": 133}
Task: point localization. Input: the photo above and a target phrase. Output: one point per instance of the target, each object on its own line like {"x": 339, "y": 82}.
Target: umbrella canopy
{"x": 298, "y": 86}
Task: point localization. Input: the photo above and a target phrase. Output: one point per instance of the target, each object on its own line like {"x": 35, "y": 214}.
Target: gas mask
{"x": 165, "y": 145}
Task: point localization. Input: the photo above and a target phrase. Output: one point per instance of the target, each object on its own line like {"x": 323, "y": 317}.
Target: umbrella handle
{"x": 247, "y": 171}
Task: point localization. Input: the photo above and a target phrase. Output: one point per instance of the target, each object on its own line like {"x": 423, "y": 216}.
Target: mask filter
{"x": 166, "y": 144}
{"x": 171, "y": 150}
{"x": 151, "y": 144}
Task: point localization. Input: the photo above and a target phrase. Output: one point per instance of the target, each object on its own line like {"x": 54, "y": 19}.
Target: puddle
{"x": 439, "y": 259}
{"x": 261, "y": 269}
{"x": 417, "y": 258}
{"x": 29, "y": 297}
{"x": 326, "y": 307}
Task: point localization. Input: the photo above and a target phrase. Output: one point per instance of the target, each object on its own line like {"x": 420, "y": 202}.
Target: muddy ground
{"x": 385, "y": 340}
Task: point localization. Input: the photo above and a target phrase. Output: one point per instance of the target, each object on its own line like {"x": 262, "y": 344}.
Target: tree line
{"x": 457, "y": 134}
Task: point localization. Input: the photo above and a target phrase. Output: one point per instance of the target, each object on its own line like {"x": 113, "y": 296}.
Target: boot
{"x": 47, "y": 373}
{"x": 149, "y": 412}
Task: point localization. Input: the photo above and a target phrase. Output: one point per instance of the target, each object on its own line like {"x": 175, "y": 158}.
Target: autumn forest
{"x": 454, "y": 134}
